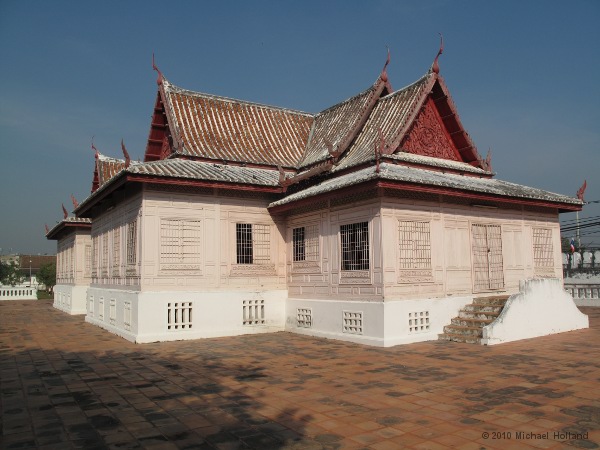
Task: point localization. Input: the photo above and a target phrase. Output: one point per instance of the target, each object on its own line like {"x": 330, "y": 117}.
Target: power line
{"x": 578, "y": 227}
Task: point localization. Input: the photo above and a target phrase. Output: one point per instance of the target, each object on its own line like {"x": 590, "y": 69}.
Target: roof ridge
{"x": 423, "y": 79}
{"x": 348, "y": 100}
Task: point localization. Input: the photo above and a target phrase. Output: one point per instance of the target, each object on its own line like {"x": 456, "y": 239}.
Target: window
{"x": 94, "y": 256}
{"x": 116, "y": 259}
{"x": 131, "y": 242}
{"x": 542, "y": 248}
{"x": 104, "y": 264}
{"x": 88, "y": 260}
{"x": 180, "y": 242}
{"x": 305, "y": 242}
{"x": 415, "y": 245}
{"x": 252, "y": 243}
{"x": 355, "y": 246}
{"x": 299, "y": 244}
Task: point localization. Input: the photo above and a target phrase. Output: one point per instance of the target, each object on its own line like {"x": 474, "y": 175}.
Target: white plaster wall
{"x": 70, "y": 298}
{"x": 541, "y": 307}
{"x": 328, "y": 319}
{"x": 214, "y": 313}
{"x": 440, "y": 312}
{"x": 385, "y": 324}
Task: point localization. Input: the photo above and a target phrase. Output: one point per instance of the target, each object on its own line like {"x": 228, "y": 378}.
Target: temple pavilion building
{"x": 373, "y": 221}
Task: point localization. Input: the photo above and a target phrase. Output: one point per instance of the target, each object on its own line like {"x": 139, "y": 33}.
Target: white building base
{"x": 378, "y": 323}
{"x": 542, "y": 307}
{"x": 144, "y": 317}
{"x": 70, "y": 299}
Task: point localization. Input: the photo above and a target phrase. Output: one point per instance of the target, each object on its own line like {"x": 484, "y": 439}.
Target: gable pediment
{"x": 428, "y": 135}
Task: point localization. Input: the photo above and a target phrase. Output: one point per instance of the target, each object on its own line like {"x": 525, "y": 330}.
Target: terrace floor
{"x": 67, "y": 384}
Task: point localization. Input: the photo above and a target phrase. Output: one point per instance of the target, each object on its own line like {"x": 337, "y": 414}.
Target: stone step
{"x": 484, "y": 315}
{"x": 459, "y": 338}
{"x": 464, "y": 330}
{"x": 471, "y": 322}
{"x": 496, "y": 300}
{"x": 482, "y": 308}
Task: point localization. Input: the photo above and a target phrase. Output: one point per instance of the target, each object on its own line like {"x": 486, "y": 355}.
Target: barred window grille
{"x": 71, "y": 262}
{"x": 104, "y": 264}
{"x": 415, "y": 245}
{"x": 305, "y": 241}
{"x": 88, "y": 260}
{"x": 95, "y": 256}
{"x": 112, "y": 311}
{"x": 179, "y": 316}
{"x": 253, "y": 312}
{"x": 131, "y": 242}
{"x": 116, "y": 257}
{"x": 304, "y": 318}
{"x": 352, "y": 322}
{"x": 127, "y": 316}
{"x": 543, "y": 252}
{"x": 355, "y": 246}
{"x": 252, "y": 243}
{"x": 418, "y": 322}
{"x": 180, "y": 242}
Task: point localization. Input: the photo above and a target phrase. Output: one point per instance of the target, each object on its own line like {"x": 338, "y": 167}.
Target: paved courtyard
{"x": 67, "y": 384}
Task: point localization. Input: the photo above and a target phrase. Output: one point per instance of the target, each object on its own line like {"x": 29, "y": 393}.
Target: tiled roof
{"x": 333, "y": 125}
{"x": 390, "y": 116}
{"x": 197, "y": 170}
{"x": 394, "y": 172}
{"x": 437, "y": 163}
{"x": 222, "y": 128}
{"x": 108, "y": 167}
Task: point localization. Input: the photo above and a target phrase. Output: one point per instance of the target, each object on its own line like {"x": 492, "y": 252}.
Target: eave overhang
{"x": 66, "y": 226}
{"x": 123, "y": 178}
{"x": 380, "y": 185}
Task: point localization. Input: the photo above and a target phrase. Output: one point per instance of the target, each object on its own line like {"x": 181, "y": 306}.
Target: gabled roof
{"x": 105, "y": 168}
{"x": 420, "y": 119}
{"x": 206, "y": 140}
{"x": 335, "y": 128}
{"x": 221, "y": 128}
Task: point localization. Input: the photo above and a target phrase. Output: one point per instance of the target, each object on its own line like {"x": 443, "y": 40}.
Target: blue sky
{"x": 523, "y": 75}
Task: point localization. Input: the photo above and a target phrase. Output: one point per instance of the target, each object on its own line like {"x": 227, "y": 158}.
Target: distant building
{"x": 372, "y": 221}
{"x": 29, "y": 265}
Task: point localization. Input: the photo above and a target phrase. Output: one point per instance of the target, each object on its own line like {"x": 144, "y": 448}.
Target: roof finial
{"x": 435, "y": 67}
{"x": 94, "y": 148}
{"x": 125, "y": 154}
{"x": 160, "y": 75}
{"x": 47, "y": 229}
{"x": 75, "y": 202}
{"x": 581, "y": 191}
{"x": 384, "y": 75}
{"x": 65, "y": 213}
{"x": 488, "y": 160}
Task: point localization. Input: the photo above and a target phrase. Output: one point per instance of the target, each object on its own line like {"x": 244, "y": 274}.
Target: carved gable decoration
{"x": 428, "y": 136}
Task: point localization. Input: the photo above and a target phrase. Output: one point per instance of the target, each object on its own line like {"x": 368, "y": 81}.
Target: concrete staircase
{"x": 468, "y": 326}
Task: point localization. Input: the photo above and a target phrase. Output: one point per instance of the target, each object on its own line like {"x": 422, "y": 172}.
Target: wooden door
{"x": 488, "y": 270}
